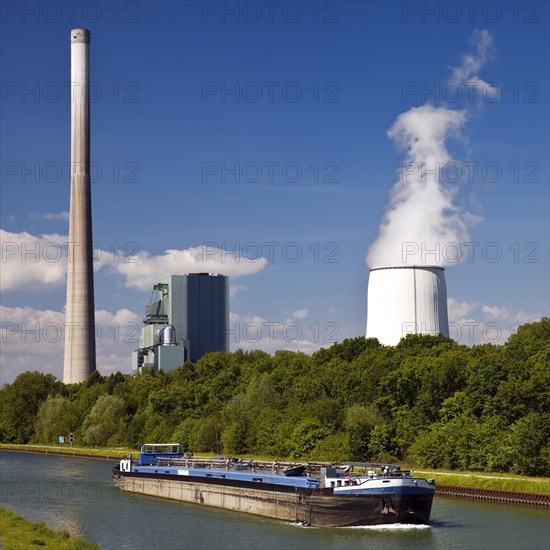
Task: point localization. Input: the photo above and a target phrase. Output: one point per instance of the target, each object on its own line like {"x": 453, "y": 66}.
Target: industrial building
{"x": 406, "y": 300}
{"x": 188, "y": 316}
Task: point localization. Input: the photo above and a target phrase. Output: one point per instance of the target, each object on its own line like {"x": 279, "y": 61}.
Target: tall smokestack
{"x": 406, "y": 300}
{"x": 80, "y": 359}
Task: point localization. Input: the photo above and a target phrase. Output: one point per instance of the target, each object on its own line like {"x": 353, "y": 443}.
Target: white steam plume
{"x": 466, "y": 73}
{"x": 421, "y": 216}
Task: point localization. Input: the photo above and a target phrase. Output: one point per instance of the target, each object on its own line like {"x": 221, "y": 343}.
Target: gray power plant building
{"x": 187, "y": 317}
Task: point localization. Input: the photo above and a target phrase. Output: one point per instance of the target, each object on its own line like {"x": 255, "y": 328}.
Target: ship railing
{"x": 279, "y": 467}
{"x": 230, "y": 463}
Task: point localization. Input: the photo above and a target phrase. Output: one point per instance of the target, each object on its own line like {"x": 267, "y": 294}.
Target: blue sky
{"x": 300, "y": 98}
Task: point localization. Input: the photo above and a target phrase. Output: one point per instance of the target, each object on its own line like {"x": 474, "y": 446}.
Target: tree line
{"x": 428, "y": 401}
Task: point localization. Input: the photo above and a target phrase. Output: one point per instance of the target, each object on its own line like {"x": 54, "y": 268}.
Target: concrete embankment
{"x": 511, "y": 497}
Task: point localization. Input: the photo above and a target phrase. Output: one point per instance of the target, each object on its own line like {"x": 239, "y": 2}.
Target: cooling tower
{"x": 406, "y": 299}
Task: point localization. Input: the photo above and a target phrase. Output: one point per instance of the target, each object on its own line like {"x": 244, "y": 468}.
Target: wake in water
{"x": 391, "y": 527}
{"x": 386, "y": 527}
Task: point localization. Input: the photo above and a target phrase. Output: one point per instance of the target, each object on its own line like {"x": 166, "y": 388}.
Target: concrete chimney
{"x": 80, "y": 358}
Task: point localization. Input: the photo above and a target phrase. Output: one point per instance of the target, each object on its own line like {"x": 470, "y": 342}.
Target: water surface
{"x": 78, "y": 494}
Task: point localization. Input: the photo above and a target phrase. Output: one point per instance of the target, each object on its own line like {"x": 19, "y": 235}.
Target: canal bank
{"x": 509, "y": 497}
{"x": 18, "y": 532}
{"x": 72, "y": 453}
{"x": 442, "y": 489}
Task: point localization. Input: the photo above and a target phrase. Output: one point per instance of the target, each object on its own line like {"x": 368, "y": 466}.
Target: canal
{"x": 78, "y": 494}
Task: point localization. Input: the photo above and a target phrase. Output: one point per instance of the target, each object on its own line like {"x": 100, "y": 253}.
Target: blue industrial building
{"x": 188, "y": 316}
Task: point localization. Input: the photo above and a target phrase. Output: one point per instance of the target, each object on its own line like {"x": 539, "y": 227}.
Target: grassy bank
{"x": 103, "y": 452}
{"x": 478, "y": 480}
{"x": 498, "y": 482}
{"x": 18, "y": 533}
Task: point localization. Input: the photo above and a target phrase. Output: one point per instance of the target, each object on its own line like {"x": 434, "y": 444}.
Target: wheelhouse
{"x": 151, "y": 452}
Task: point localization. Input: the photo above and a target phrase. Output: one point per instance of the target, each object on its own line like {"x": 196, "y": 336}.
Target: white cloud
{"x": 143, "y": 270}
{"x": 301, "y": 313}
{"x": 507, "y": 315}
{"x": 32, "y": 262}
{"x": 458, "y": 309}
{"x": 495, "y": 312}
{"x": 64, "y": 216}
{"x": 38, "y": 263}
{"x": 472, "y": 323}
{"x": 256, "y": 332}
{"x": 235, "y": 289}
{"x": 34, "y": 340}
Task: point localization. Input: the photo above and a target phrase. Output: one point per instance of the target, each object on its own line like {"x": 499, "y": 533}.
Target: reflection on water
{"x": 78, "y": 495}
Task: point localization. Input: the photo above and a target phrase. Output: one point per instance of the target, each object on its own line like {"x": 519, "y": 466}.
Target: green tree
{"x": 527, "y": 445}
{"x": 161, "y": 402}
{"x": 106, "y": 419}
{"x": 234, "y": 437}
{"x": 21, "y": 401}
{"x": 382, "y": 444}
{"x": 56, "y": 416}
{"x": 427, "y": 399}
{"x": 334, "y": 448}
{"x": 429, "y": 449}
{"x": 305, "y": 437}
{"x": 529, "y": 339}
{"x": 206, "y": 435}
{"x": 262, "y": 433}
{"x": 359, "y": 423}
{"x": 182, "y": 434}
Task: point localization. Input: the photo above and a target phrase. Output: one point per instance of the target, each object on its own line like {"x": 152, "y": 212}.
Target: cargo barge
{"x": 313, "y": 494}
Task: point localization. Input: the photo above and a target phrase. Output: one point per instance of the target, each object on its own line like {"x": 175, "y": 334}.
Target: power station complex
{"x": 406, "y": 300}
{"x": 188, "y": 316}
